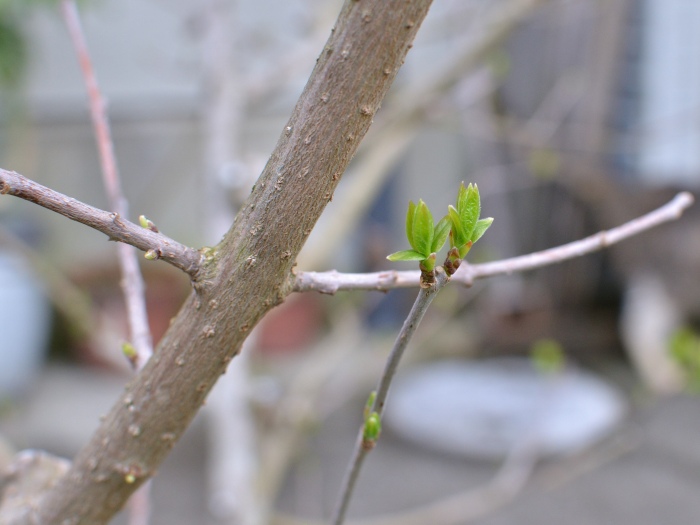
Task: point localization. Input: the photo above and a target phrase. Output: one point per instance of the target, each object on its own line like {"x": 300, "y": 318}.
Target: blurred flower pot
{"x": 26, "y": 320}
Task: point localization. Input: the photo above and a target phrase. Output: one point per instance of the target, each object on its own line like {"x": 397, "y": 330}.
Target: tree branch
{"x": 111, "y": 224}
{"x": 247, "y": 274}
{"x": 132, "y": 284}
{"x": 133, "y": 287}
{"x": 332, "y": 281}
{"x": 362, "y": 447}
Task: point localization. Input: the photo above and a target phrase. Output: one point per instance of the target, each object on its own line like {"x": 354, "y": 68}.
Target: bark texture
{"x": 248, "y": 273}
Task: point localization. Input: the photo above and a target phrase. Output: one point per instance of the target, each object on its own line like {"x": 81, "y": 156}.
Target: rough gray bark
{"x": 248, "y": 273}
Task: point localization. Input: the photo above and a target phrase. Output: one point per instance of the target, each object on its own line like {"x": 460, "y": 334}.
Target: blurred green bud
{"x": 548, "y": 356}
{"x": 373, "y": 427}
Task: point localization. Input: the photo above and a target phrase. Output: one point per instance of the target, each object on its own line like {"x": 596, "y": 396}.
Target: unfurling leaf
{"x": 469, "y": 207}
{"x": 459, "y": 236}
{"x": 369, "y": 404}
{"x": 442, "y": 230}
{"x": 409, "y": 223}
{"x": 406, "y": 255}
{"x": 466, "y": 227}
{"x": 422, "y": 229}
{"x": 481, "y": 226}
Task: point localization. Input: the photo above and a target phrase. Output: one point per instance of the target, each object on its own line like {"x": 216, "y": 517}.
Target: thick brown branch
{"x": 247, "y": 274}
{"x": 113, "y": 225}
{"x": 332, "y": 281}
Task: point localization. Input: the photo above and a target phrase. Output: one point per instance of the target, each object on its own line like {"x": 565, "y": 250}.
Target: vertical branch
{"x": 132, "y": 283}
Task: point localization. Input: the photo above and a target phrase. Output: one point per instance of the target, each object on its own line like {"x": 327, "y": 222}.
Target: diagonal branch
{"x": 247, "y": 273}
{"x": 112, "y": 225}
{"x": 332, "y": 281}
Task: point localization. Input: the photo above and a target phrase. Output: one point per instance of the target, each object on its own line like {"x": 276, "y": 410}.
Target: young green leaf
{"x": 481, "y": 226}
{"x": 369, "y": 404}
{"x": 442, "y": 230}
{"x": 458, "y": 237}
{"x": 409, "y": 223}
{"x": 469, "y": 207}
{"x": 406, "y": 255}
{"x": 422, "y": 229}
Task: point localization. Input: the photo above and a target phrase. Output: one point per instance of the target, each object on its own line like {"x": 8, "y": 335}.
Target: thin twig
{"x": 420, "y": 306}
{"x": 132, "y": 283}
{"x": 668, "y": 212}
{"x": 332, "y": 281}
{"x": 111, "y": 224}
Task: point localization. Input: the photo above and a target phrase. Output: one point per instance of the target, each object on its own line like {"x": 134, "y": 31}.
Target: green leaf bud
{"x": 145, "y": 222}
{"x": 548, "y": 356}
{"x": 372, "y": 427}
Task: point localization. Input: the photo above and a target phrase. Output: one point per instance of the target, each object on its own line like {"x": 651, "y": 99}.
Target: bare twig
{"x": 668, "y": 212}
{"x": 132, "y": 281}
{"x": 332, "y": 281}
{"x": 111, "y": 224}
{"x": 420, "y": 306}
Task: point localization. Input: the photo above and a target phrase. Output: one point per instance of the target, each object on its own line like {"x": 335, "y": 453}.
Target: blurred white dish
{"x": 485, "y": 408}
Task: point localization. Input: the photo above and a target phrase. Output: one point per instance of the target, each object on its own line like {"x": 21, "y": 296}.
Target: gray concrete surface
{"x": 647, "y": 473}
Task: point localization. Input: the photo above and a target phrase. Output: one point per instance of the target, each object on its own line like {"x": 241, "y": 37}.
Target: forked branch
{"x": 114, "y": 226}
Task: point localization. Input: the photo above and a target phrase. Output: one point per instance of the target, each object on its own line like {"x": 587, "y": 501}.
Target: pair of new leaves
{"x": 461, "y": 224}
